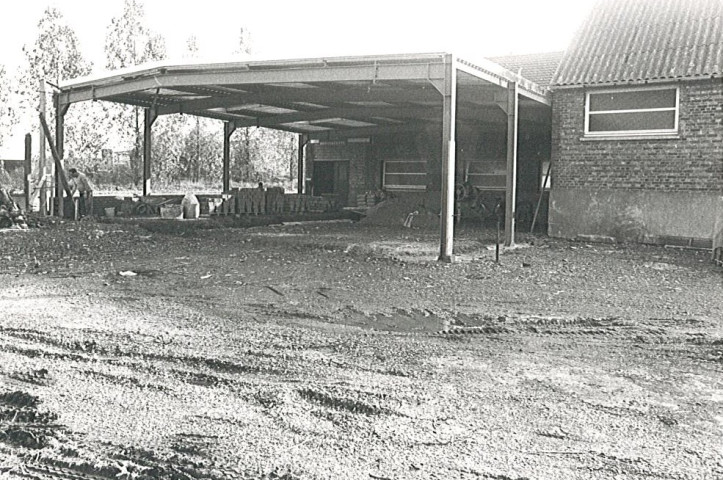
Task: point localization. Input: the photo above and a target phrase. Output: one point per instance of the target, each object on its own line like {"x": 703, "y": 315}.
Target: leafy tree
{"x": 244, "y": 46}
{"x": 191, "y": 47}
{"x": 130, "y": 42}
{"x": 55, "y": 56}
{"x": 8, "y": 117}
{"x": 263, "y": 155}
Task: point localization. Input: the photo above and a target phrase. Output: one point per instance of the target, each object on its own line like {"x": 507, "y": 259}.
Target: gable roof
{"x": 538, "y": 67}
{"x": 635, "y": 41}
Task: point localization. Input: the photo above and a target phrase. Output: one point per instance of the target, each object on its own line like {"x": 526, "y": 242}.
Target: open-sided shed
{"x": 435, "y": 95}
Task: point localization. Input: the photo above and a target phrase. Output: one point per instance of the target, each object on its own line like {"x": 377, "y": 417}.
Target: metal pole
{"x": 497, "y": 244}
{"x": 228, "y": 129}
{"x": 448, "y": 160}
{"x": 28, "y": 168}
{"x": 300, "y": 166}
{"x": 60, "y": 112}
{"x": 149, "y": 116}
{"x": 511, "y": 187}
{"x": 41, "y": 150}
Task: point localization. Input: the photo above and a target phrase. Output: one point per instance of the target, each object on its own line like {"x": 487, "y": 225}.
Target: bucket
{"x": 110, "y": 212}
{"x": 191, "y": 206}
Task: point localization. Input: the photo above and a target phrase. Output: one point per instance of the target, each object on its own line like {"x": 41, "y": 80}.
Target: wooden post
{"x": 63, "y": 181}
{"x": 149, "y": 116}
{"x": 511, "y": 187}
{"x": 228, "y": 129}
{"x": 41, "y": 151}
{"x": 539, "y": 200}
{"x": 300, "y": 166}
{"x": 27, "y": 170}
{"x": 60, "y": 111}
{"x": 448, "y": 160}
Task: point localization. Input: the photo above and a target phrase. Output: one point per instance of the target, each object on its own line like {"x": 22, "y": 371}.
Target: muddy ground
{"x": 343, "y": 351}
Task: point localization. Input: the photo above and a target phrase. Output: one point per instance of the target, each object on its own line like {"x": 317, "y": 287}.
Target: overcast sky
{"x": 301, "y": 28}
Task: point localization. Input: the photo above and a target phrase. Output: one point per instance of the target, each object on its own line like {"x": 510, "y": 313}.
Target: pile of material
{"x": 370, "y": 198}
{"x": 272, "y": 201}
{"x": 401, "y": 211}
{"x": 11, "y": 216}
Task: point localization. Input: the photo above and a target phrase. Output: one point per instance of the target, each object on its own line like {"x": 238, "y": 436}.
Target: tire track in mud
{"x": 22, "y": 424}
{"x": 45, "y": 451}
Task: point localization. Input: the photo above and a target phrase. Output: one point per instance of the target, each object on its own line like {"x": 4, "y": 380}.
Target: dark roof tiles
{"x": 537, "y": 67}
{"x": 641, "y": 40}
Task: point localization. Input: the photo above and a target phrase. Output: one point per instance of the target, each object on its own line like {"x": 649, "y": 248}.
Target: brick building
{"x": 637, "y": 124}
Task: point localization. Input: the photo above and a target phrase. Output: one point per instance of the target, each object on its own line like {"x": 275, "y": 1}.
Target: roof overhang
{"x": 312, "y": 95}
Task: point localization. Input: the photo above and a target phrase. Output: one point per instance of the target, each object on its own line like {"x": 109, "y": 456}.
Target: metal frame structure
{"x": 328, "y": 98}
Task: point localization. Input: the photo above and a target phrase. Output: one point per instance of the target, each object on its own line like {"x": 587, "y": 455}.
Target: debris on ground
{"x": 11, "y": 215}
{"x": 340, "y": 350}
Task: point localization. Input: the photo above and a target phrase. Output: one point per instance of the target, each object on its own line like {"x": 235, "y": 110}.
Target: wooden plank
{"x": 56, "y": 157}
{"x": 539, "y": 200}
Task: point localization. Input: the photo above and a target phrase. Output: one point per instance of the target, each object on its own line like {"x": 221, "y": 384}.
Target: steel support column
{"x": 511, "y": 187}
{"x": 149, "y": 116}
{"x": 60, "y": 111}
{"x": 449, "y": 116}
{"x": 27, "y": 170}
{"x": 41, "y": 151}
{"x": 300, "y": 165}
{"x": 228, "y": 129}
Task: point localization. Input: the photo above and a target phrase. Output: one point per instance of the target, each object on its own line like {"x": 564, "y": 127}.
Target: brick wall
{"x": 693, "y": 161}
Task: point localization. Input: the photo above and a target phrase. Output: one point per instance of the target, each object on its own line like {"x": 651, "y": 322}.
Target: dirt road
{"x": 337, "y": 351}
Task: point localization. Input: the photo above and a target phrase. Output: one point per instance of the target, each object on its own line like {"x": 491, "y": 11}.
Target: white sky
{"x": 311, "y": 28}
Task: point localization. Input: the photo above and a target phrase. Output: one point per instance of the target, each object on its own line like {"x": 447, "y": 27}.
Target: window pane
{"x": 401, "y": 179}
{"x": 632, "y": 100}
{"x": 616, "y": 122}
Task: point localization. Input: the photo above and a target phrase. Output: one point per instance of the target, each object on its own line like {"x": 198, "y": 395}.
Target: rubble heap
{"x": 11, "y": 216}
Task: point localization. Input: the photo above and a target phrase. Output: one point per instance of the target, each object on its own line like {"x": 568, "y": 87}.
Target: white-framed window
{"x": 632, "y": 111}
{"x": 405, "y": 174}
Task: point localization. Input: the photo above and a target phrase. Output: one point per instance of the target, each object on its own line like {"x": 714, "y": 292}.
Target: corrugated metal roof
{"x": 538, "y": 67}
{"x": 643, "y": 40}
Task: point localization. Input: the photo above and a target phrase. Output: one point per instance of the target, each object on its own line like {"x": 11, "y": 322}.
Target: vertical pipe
{"x": 27, "y": 170}
{"x": 60, "y": 111}
{"x": 448, "y": 160}
{"x": 300, "y": 166}
{"x": 511, "y": 187}
{"x": 149, "y": 115}
{"x": 228, "y": 129}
